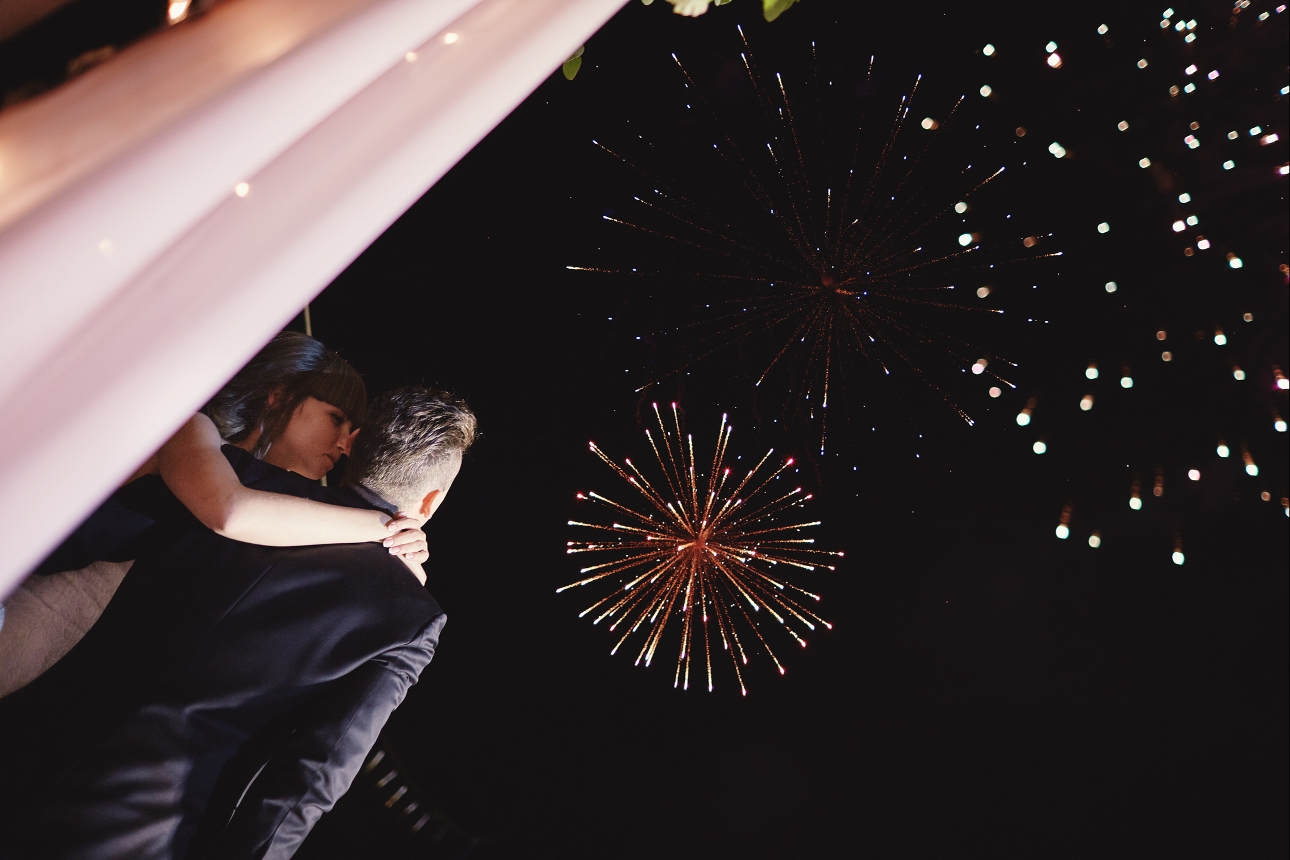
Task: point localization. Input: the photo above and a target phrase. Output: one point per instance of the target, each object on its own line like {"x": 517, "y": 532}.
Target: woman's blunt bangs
{"x": 340, "y": 385}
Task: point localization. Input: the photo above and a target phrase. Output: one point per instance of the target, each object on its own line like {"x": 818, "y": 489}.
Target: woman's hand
{"x": 407, "y": 542}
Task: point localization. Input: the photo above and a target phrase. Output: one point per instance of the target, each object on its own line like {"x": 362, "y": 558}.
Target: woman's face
{"x": 313, "y": 441}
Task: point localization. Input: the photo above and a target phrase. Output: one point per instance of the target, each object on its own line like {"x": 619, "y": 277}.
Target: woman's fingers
{"x": 401, "y": 522}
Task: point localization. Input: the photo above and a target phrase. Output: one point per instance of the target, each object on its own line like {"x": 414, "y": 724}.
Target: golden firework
{"x": 707, "y": 549}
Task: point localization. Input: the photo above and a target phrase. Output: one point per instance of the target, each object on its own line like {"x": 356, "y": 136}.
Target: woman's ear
{"x": 275, "y": 394}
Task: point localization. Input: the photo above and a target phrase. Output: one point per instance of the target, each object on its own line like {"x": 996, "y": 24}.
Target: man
{"x": 293, "y": 656}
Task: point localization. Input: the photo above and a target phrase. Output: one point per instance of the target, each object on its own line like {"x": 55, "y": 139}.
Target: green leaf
{"x": 571, "y": 66}
{"x": 772, "y": 9}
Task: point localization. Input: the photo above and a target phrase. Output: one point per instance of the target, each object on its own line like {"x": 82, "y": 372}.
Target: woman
{"x": 295, "y": 405}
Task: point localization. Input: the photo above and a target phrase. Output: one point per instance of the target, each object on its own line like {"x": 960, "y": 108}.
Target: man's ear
{"x": 426, "y": 508}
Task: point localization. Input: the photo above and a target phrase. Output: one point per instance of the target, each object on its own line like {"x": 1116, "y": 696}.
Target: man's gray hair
{"x": 410, "y": 439}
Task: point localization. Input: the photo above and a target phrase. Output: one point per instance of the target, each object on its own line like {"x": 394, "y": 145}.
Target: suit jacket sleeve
{"x": 311, "y": 771}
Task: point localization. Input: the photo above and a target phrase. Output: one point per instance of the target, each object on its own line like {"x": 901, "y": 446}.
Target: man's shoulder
{"x": 367, "y": 568}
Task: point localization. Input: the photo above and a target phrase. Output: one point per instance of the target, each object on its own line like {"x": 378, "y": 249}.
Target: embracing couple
{"x": 264, "y": 627}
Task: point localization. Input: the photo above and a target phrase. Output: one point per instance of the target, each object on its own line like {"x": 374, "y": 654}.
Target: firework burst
{"x": 708, "y": 550}
{"x": 832, "y": 241}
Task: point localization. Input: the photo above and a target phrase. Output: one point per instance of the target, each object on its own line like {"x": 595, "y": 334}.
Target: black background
{"x": 986, "y": 688}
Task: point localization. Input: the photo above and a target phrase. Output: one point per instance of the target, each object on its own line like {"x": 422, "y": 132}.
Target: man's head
{"x": 410, "y": 448}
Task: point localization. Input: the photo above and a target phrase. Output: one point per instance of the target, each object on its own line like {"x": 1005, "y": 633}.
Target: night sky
{"x": 986, "y": 687}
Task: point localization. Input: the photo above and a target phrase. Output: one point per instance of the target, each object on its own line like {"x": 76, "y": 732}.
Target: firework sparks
{"x": 711, "y": 551}
{"x": 834, "y": 249}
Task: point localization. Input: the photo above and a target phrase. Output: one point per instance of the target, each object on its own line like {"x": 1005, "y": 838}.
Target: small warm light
{"x": 1173, "y": 91}
{"x": 1229, "y": 164}
{"x": 1219, "y": 337}
{"x": 1193, "y": 474}
{"x": 1039, "y": 447}
{"x": 1190, "y": 88}
{"x": 988, "y": 50}
{"x": 449, "y": 38}
{"x": 1122, "y": 125}
{"x": 1023, "y": 417}
{"x": 1192, "y": 141}
{"x": 1213, "y": 75}
{"x": 1238, "y": 374}
{"x": 1126, "y": 381}
{"x": 1234, "y": 261}
{"x": 1095, "y": 540}
{"x": 1112, "y": 286}
{"x": 1283, "y": 170}
{"x": 1104, "y": 227}
{"x": 1250, "y": 469}
{"x": 1090, "y": 372}
{"x": 1248, "y": 317}
{"x": 1268, "y": 138}
{"x": 965, "y": 239}
{"x": 1050, "y": 47}
{"x": 1202, "y": 243}
{"x": 410, "y": 56}
{"x": 1063, "y": 531}
{"x": 1030, "y": 241}
{"x": 960, "y": 207}
{"x": 1178, "y": 557}
{"x": 1057, "y": 150}
{"x": 1256, "y": 131}
{"x": 1135, "y": 501}
{"x": 1021, "y": 131}
{"x": 929, "y": 123}
{"x": 982, "y": 292}
{"x": 1279, "y": 424}
{"x": 242, "y": 189}
{"x": 985, "y": 90}
{"x": 1162, "y": 335}
{"x": 978, "y": 367}
{"x": 1169, "y": 13}
{"x": 1223, "y": 451}
{"x": 177, "y": 11}
{"x": 1144, "y": 162}
{"x": 1102, "y": 29}
{"x": 1142, "y": 64}
{"x": 1184, "y": 197}
{"x": 1055, "y": 61}
{"x": 1086, "y": 402}
{"x": 1190, "y": 70}
{"x": 995, "y": 391}
{"x": 1166, "y": 356}
{"x": 1231, "y": 135}
{"x": 1179, "y": 226}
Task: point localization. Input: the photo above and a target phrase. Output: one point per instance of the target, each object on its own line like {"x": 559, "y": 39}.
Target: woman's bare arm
{"x": 197, "y": 472}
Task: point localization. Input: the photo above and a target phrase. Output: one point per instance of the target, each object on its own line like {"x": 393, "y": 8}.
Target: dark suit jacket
{"x": 296, "y": 656}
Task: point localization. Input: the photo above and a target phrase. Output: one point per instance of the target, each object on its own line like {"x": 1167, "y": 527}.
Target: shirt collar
{"x": 373, "y": 499}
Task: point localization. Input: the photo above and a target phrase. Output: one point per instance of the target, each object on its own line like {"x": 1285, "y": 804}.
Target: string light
{"x": 1090, "y": 372}
{"x": 1223, "y": 451}
{"x": 1219, "y": 337}
{"x": 1126, "y": 381}
{"x": 1039, "y": 447}
{"x": 1095, "y": 540}
{"x": 1250, "y": 468}
{"x": 1086, "y": 402}
{"x": 1193, "y": 474}
{"x": 988, "y": 50}
{"x": 1112, "y": 286}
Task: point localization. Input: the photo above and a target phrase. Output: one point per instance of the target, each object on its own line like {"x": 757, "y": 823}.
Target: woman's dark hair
{"x": 294, "y": 366}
